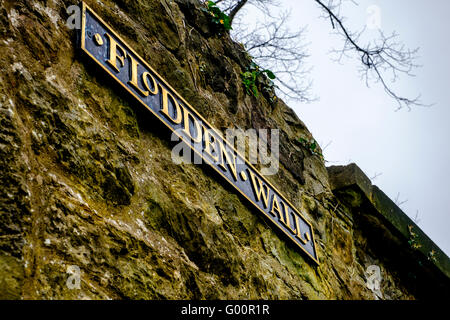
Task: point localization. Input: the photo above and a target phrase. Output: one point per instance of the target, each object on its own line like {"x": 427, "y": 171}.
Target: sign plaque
{"x": 105, "y": 47}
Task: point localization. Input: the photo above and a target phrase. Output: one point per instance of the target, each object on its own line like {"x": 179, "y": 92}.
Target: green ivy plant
{"x": 312, "y": 146}
{"x": 250, "y": 79}
{"x": 432, "y": 256}
{"x": 413, "y": 238}
{"x": 218, "y": 16}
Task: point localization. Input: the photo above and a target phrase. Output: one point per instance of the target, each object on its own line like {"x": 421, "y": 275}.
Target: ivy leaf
{"x": 253, "y": 65}
{"x": 270, "y": 74}
{"x": 255, "y": 91}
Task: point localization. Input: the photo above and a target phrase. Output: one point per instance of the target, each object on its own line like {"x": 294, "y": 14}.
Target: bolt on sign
{"x": 143, "y": 83}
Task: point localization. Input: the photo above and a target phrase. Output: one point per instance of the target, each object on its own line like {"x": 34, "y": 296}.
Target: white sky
{"x": 410, "y": 149}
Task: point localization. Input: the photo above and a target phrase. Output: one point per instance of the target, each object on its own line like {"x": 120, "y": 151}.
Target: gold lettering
{"x": 134, "y": 77}
{"x": 288, "y": 224}
{"x": 225, "y": 155}
{"x": 286, "y": 212}
{"x": 299, "y": 233}
{"x": 276, "y": 207}
{"x": 187, "y": 127}
{"x": 165, "y": 106}
{"x": 145, "y": 76}
{"x": 114, "y": 54}
{"x": 210, "y": 144}
{"x": 259, "y": 191}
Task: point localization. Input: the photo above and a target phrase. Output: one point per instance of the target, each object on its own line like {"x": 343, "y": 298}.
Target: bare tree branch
{"x": 385, "y": 56}
{"x": 275, "y": 47}
{"x": 376, "y": 175}
{"x": 399, "y": 202}
{"x": 236, "y": 9}
{"x": 416, "y": 218}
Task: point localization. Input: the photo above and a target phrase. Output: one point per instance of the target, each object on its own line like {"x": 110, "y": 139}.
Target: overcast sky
{"x": 410, "y": 149}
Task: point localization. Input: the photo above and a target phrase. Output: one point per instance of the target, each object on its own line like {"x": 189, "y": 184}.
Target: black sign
{"x": 122, "y": 63}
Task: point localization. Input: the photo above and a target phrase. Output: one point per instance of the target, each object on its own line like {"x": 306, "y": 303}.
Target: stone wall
{"x": 88, "y": 181}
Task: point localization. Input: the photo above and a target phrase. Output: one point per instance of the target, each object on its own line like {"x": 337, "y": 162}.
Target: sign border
{"x": 83, "y": 48}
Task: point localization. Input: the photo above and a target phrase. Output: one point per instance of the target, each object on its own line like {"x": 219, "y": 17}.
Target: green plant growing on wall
{"x": 202, "y": 67}
{"x": 432, "y": 256}
{"x": 413, "y": 238}
{"x": 220, "y": 18}
{"x": 312, "y": 146}
{"x": 254, "y": 75}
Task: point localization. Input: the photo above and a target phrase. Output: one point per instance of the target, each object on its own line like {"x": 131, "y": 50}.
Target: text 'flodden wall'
{"x": 111, "y": 53}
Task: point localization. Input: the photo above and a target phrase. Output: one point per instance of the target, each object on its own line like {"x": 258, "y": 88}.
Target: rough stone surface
{"x": 87, "y": 178}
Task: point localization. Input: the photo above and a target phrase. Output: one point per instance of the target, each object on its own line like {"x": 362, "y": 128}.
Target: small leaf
{"x": 270, "y": 74}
